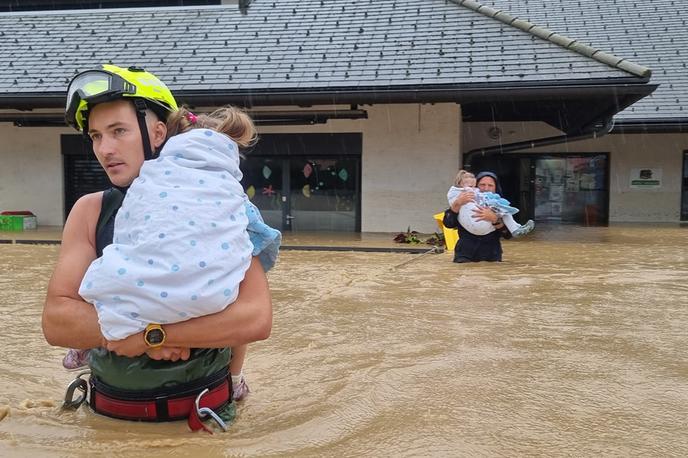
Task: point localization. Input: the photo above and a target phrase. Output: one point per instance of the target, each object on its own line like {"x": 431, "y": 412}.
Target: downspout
{"x": 598, "y": 130}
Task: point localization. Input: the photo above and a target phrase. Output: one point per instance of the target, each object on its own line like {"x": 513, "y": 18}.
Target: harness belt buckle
{"x": 204, "y": 412}
{"x": 77, "y": 384}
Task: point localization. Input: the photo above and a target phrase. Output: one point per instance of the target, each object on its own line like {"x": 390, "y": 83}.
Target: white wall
{"x": 663, "y": 151}
{"x": 626, "y": 152}
{"x": 31, "y": 172}
{"x": 410, "y": 157}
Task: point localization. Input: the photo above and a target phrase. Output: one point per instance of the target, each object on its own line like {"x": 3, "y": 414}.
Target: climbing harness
{"x": 194, "y": 401}
{"x": 185, "y": 402}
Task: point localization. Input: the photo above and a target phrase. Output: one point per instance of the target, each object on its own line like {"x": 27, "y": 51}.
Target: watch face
{"x": 154, "y": 337}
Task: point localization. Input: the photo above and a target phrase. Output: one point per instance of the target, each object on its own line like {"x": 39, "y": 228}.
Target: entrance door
{"x": 553, "y": 188}
{"x": 572, "y": 189}
{"x": 516, "y": 180}
{"x": 263, "y": 183}
{"x": 308, "y": 182}
{"x": 323, "y": 194}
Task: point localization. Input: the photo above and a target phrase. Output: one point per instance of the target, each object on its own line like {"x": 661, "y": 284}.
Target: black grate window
{"x": 82, "y": 171}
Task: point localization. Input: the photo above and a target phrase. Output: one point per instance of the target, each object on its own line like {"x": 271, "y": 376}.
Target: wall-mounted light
{"x": 494, "y": 133}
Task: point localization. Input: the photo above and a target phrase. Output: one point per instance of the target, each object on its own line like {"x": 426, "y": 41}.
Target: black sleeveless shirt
{"x": 112, "y": 200}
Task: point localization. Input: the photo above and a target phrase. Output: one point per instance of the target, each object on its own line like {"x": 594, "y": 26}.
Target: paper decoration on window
{"x": 269, "y": 191}
{"x": 266, "y": 172}
{"x": 250, "y": 192}
{"x": 343, "y": 175}
{"x": 307, "y": 170}
{"x": 306, "y": 190}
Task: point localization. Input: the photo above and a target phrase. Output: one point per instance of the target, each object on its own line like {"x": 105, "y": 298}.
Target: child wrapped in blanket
{"x": 184, "y": 235}
{"x": 465, "y": 182}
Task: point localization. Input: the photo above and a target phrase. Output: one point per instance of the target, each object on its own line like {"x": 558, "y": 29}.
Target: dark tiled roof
{"x": 557, "y": 38}
{"x": 654, "y": 33}
{"x": 288, "y": 45}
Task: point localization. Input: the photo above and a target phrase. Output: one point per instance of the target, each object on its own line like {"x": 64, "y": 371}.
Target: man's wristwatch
{"x": 154, "y": 335}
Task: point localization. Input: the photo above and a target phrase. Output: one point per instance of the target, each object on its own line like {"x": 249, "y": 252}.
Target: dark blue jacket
{"x": 474, "y": 248}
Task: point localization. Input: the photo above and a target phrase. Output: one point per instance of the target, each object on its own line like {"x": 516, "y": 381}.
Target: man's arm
{"x": 246, "y": 320}
{"x": 486, "y": 214}
{"x": 68, "y": 321}
{"x": 462, "y": 200}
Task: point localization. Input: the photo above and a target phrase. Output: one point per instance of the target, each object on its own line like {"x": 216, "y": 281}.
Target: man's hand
{"x": 169, "y": 353}
{"x": 132, "y": 346}
{"x": 463, "y": 199}
{"x": 485, "y": 214}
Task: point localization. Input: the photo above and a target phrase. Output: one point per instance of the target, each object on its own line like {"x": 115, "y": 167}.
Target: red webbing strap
{"x": 127, "y": 410}
{"x": 177, "y": 408}
{"x": 195, "y": 423}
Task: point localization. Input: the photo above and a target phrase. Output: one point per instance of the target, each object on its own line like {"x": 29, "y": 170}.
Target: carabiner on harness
{"x": 205, "y": 412}
{"x": 77, "y": 384}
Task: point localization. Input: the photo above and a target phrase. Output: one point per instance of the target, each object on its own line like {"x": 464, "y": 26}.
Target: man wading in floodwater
{"x": 154, "y": 382}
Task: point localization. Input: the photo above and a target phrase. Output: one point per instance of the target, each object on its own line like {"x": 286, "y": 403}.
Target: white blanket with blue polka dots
{"x": 183, "y": 239}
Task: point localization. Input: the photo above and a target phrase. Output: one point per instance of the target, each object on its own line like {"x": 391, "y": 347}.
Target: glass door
{"x": 263, "y": 182}
{"x": 572, "y": 189}
{"x": 306, "y": 182}
{"x": 323, "y": 194}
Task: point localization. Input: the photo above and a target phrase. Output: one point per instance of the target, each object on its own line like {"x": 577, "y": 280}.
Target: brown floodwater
{"x": 574, "y": 346}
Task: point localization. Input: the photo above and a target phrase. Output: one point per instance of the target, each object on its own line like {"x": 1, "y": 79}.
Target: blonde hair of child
{"x": 231, "y": 121}
{"x": 461, "y": 176}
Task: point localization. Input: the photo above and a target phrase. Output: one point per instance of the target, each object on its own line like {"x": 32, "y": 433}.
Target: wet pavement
{"x": 372, "y": 241}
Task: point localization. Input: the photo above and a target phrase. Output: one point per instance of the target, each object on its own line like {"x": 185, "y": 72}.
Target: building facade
{"x": 365, "y": 110}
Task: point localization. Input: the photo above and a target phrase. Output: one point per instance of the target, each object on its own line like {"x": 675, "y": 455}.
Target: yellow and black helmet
{"x": 110, "y": 83}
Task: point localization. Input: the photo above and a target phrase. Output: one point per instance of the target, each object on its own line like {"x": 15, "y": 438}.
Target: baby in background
{"x": 465, "y": 182}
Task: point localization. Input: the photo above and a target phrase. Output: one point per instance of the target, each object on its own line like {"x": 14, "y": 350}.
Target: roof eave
{"x": 568, "y": 107}
{"x": 459, "y": 93}
{"x": 651, "y": 126}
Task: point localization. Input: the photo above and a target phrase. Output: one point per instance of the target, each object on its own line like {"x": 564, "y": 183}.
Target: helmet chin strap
{"x": 140, "y": 106}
